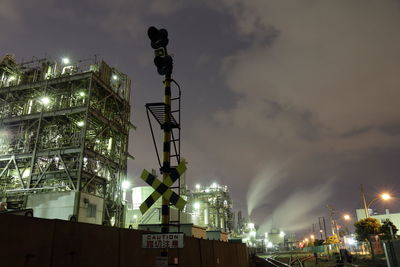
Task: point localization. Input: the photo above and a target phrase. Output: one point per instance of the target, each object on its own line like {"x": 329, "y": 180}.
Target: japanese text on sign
{"x": 172, "y": 240}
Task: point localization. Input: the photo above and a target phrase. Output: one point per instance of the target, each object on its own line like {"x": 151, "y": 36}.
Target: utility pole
{"x": 364, "y": 201}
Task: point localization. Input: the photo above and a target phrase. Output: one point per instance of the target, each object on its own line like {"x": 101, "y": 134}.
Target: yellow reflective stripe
{"x": 181, "y": 168}
{"x": 180, "y": 204}
{"x": 167, "y": 195}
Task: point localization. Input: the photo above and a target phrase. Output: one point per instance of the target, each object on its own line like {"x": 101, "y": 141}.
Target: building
{"x": 211, "y": 207}
{"x": 64, "y": 138}
{"x": 393, "y": 217}
{"x": 207, "y": 213}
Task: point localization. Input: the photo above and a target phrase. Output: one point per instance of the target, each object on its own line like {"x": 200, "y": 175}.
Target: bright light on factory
{"x": 253, "y": 233}
{"x": 196, "y": 205}
{"x": 250, "y": 225}
{"x": 80, "y": 123}
{"x": 115, "y": 77}
{"x": 350, "y": 240}
{"x": 198, "y": 186}
{"x": 125, "y": 185}
{"x": 82, "y": 94}
{"x": 65, "y": 60}
{"x": 45, "y": 100}
{"x": 214, "y": 185}
{"x": 282, "y": 234}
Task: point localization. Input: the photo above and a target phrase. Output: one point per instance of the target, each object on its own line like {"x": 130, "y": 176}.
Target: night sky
{"x": 292, "y": 104}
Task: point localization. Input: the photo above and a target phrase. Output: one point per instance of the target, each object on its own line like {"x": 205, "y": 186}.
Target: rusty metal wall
{"x": 33, "y": 242}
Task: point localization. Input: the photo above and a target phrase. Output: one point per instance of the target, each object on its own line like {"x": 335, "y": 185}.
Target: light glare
{"x": 65, "y": 60}
{"x": 45, "y": 100}
{"x": 386, "y": 196}
{"x": 125, "y": 185}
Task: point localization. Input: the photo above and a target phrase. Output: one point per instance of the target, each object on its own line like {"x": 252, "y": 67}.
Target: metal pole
{"x": 166, "y": 150}
{"x": 364, "y": 202}
{"x": 323, "y": 218}
{"x": 320, "y": 227}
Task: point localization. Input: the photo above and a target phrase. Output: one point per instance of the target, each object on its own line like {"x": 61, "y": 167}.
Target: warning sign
{"x": 171, "y": 240}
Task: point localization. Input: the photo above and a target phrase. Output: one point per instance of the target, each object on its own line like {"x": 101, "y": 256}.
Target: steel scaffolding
{"x": 64, "y": 127}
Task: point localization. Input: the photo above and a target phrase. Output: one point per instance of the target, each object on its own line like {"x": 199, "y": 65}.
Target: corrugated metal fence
{"x": 26, "y": 241}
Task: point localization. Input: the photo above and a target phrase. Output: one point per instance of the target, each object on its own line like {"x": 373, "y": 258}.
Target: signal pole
{"x": 163, "y": 62}
{"x": 166, "y": 150}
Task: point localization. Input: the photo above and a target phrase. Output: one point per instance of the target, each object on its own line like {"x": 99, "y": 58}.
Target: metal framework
{"x": 63, "y": 127}
{"x": 157, "y": 111}
{"x": 212, "y": 207}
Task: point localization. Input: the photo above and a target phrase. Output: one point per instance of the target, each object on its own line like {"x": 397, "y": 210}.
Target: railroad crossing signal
{"x": 163, "y": 188}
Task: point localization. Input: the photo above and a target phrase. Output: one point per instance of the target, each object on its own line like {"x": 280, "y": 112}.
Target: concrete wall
{"x": 34, "y": 242}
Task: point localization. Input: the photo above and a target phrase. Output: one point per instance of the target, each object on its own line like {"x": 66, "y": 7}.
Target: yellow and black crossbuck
{"x": 162, "y": 188}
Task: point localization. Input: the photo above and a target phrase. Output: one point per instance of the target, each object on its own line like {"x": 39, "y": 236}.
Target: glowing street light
{"x": 383, "y": 196}
{"x": 312, "y": 236}
{"x": 346, "y": 217}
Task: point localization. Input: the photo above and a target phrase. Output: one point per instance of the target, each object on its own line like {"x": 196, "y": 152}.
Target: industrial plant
{"x": 208, "y": 212}
{"x": 64, "y": 129}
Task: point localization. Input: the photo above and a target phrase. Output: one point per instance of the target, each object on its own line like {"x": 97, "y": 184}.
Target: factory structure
{"x": 208, "y": 210}
{"x": 64, "y": 129}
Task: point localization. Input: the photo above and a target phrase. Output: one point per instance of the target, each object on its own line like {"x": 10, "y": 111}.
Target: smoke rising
{"x": 297, "y": 212}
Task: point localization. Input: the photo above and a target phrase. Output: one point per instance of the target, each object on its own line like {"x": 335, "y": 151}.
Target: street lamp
{"x": 383, "y": 196}
{"x": 346, "y": 217}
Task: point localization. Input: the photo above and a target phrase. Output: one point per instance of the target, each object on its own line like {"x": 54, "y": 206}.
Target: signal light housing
{"x": 159, "y": 41}
{"x": 158, "y": 37}
{"x": 163, "y": 64}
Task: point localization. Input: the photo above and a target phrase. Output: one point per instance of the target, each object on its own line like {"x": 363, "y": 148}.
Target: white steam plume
{"x": 263, "y": 184}
{"x": 297, "y": 211}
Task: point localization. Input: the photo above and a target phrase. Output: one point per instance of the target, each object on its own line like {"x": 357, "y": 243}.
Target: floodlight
{"x": 196, "y": 205}
{"x": 45, "y": 100}
{"x": 125, "y": 185}
{"x": 65, "y": 60}
{"x": 80, "y": 123}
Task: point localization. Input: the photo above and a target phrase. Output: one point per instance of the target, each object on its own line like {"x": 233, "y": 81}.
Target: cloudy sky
{"x": 292, "y": 104}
